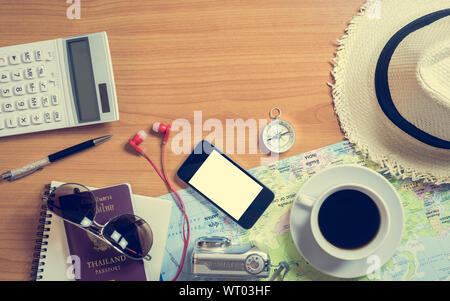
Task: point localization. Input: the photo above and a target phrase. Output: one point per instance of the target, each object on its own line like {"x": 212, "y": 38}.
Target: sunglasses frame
{"x": 95, "y": 228}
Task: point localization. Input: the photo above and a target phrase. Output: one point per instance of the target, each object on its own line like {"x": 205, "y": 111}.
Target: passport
{"x": 97, "y": 260}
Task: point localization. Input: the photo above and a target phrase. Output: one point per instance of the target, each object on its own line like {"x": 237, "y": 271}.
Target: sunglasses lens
{"x": 130, "y": 234}
{"x": 73, "y": 202}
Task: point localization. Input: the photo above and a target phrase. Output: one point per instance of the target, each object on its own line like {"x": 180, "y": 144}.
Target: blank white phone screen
{"x": 225, "y": 184}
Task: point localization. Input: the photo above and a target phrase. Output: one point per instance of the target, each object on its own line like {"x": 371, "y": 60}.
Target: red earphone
{"x": 162, "y": 128}
{"x": 157, "y": 127}
{"x": 138, "y": 139}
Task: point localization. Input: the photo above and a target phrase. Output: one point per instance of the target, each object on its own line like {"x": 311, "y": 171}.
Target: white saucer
{"x": 301, "y": 229}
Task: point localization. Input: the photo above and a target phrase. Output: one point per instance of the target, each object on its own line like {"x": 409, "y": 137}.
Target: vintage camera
{"x": 214, "y": 257}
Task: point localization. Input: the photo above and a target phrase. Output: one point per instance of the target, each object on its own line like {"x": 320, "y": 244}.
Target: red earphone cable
{"x": 180, "y": 204}
{"x": 183, "y": 209}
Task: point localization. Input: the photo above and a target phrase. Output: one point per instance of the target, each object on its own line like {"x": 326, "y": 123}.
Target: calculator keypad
{"x": 29, "y": 93}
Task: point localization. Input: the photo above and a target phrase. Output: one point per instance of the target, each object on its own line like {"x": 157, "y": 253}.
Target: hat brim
{"x": 382, "y": 83}
{"x": 361, "y": 117}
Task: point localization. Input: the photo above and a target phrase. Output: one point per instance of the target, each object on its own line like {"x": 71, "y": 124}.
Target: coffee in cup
{"x": 348, "y": 221}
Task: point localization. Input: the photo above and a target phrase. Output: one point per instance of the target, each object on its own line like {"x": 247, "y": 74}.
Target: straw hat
{"x": 392, "y": 86}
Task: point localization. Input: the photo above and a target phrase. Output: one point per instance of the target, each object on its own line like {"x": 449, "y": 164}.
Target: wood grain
{"x": 228, "y": 59}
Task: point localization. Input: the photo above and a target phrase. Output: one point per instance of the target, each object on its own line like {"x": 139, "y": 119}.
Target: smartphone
{"x": 225, "y": 184}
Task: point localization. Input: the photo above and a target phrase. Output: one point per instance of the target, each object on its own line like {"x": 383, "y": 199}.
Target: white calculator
{"x": 56, "y": 84}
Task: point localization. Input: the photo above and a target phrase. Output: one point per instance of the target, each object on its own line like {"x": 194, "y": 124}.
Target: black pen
{"x": 35, "y": 166}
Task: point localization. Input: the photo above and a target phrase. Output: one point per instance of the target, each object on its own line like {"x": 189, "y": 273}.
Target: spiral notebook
{"x": 52, "y": 252}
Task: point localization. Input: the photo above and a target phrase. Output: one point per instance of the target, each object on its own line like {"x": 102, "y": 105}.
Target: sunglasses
{"x": 127, "y": 233}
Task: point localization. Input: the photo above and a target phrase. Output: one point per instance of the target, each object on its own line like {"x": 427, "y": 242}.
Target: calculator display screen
{"x": 83, "y": 82}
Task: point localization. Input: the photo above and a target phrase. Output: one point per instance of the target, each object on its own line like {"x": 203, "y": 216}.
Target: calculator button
{"x": 8, "y": 106}
{"x": 24, "y": 120}
{"x": 10, "y": 122}
{"x": 30, "y": 73}
{"x": 21, "y": 104}
{"x": 43, "y": 86}
{"x": 32, "y": 88}
{"x": 27, "y": 57}
{"x": 34, "y": 103}
{"x": 49, "y": 56}
{"x": 4, "y": 76}
{"x": 57, "y": 116}
{"x": 3, "y": 61}
{"x": 36, "y": 118}
{"x": 6, "y": 91}
{"x": 52, "y": 78}
{"x": 19, "y": 90}
{"x": 14, "y": 59}
{"x": 38, "y": 55}
{"x": 17, "y": 74}
{"x": 45, "y": 101}
{"x": 2, "y": 124}
{"x": 54, "y": 100}
{"x": 47, "y": 117}
{"x": 41, "y": 71}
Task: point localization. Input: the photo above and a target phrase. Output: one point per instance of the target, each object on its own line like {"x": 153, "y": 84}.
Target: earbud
{"x": 157, "y": 127}
{"x": 138, "y": 139}
{"x": 162, "y": 128}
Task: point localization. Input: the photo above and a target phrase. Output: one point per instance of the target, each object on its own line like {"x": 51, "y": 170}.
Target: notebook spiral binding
{"x": 41, "y": 242}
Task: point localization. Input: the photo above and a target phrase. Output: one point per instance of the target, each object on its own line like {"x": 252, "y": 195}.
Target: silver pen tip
{"x": 101, "y": 139}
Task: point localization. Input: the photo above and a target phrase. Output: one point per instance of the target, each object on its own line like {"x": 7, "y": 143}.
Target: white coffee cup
{"x": 314, "y": 203}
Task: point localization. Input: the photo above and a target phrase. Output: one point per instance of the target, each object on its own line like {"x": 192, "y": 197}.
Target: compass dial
{"x": 278, "y": 136}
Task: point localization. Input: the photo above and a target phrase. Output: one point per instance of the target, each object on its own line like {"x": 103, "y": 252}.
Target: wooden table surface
{"x": 226, "y": 59}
